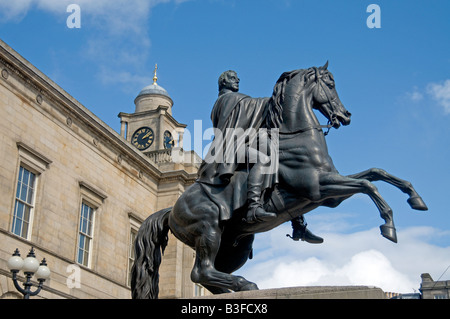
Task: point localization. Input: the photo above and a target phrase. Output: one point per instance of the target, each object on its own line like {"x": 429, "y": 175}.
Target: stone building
{"x": 77, "y": 191}
{"x": 431, "y": 289}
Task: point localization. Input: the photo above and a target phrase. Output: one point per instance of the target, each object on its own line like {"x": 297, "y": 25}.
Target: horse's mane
{"x": 275, "y": 107}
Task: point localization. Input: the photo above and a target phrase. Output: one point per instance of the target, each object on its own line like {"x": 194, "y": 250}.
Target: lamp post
{"x": 30, "y": 267}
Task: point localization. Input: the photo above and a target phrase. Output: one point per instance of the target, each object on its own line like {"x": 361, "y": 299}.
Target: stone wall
{"x": 77, "y": 158}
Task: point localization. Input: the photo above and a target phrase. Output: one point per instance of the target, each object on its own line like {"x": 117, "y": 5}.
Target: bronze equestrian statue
{"x": 213, "y": 215}
{"x": 238, "y": 119}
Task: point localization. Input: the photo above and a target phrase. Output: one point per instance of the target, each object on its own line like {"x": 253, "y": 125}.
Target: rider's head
{"x": 229, "y": 80}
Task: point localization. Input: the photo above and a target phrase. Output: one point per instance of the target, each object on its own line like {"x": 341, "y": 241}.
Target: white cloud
{"x": 372, "y": 268}
{"x": 115, "y": 11}
{"x": 441, "y": 93}
{"x": 415, "y": 95}
{"x": 129, "y": 82}
{"x": 115, "y": 17}
{"x": 120, "y": 12}
{"x": 358, "y": 258}
{"x": 367, "y": 268}
{"x": 108, "y": 23}
{"x": 14, "y": 10}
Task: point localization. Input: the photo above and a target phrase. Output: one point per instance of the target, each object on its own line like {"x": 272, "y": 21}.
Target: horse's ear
{"x": 325, "y": 66}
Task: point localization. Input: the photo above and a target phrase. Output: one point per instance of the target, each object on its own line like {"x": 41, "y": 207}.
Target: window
{"x": 135, "y": 224}
{"x": 24, "y": 203}
{"x": 31, "y": 165}
{"x": 131, "y": 254}
{"x": 85, "y": 234}
{"x": 91, "y": 200}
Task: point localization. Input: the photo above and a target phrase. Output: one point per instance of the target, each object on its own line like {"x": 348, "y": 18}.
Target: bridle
{"x": 312, "y": 127}
{"x": 329, "y": 101}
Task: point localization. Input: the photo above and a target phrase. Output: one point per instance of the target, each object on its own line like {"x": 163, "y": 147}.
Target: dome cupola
{"x": 152, "y": 96}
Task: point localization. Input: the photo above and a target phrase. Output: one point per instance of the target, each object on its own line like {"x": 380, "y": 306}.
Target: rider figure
{"x": 234, "y": 110}
{"x": 229, "y": 83}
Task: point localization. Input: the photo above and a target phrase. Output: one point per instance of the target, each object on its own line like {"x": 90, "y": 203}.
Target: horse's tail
{"x": 151, "y": 240}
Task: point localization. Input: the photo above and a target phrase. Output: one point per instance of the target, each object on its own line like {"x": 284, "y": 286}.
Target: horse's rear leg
{"x": 231, "y": 257}
{"x": 376, "y": 174}
{"x": 204, "y": 271}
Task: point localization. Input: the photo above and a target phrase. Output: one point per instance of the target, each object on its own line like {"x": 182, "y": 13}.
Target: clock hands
{"x": 143, "y": 138}
{"x": 147, "y": 135}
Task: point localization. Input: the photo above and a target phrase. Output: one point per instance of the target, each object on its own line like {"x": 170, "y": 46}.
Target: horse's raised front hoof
{"x": 389, "y": 232}
{"x": 416, "y": 202}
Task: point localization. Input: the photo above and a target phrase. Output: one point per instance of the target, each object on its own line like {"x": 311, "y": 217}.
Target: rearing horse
{"x": 307, "y": 180}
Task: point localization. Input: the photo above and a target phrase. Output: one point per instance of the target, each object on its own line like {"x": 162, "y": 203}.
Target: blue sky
{"x": 395, "y": 80}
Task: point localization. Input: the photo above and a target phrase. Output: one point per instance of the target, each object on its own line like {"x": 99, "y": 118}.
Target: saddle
{"x": 232, "y": 197}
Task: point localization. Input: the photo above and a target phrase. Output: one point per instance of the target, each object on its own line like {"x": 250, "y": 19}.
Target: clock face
{"x": 143, "y": 138}
{"x": 168, "y": 140}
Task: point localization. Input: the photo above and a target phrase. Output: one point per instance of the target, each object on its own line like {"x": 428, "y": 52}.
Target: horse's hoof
{"x": 389, "y": 233}
{"x": 417, "y": 202}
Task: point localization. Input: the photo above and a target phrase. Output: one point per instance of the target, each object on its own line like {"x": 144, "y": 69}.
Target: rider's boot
{"x": 256, "y": 212}
{"x": 299, "y": 231}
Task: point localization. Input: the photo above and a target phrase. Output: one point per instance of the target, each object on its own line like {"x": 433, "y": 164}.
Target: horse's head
{"x": 315, "y": 83}
{"x": 326, "y": 99}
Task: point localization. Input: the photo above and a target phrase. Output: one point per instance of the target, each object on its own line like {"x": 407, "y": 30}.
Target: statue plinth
{"x": 314, "y": 292}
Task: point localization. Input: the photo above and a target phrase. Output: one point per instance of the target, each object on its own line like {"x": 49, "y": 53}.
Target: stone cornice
{"x": 178, "y": 175}
{"x": 160, "y": 108}
{"x": 48, "y": 90}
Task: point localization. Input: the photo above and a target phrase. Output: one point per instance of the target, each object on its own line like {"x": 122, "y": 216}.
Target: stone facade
{"x": 431, "y": 289}
{"x": 77, "y": 159}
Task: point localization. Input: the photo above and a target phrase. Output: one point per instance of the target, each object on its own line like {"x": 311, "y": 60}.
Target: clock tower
{"x": 152, "y": 131}
{"x": 151, "y": 128}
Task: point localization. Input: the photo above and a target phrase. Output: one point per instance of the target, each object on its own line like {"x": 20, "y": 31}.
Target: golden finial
{"x": 155, "y": 78}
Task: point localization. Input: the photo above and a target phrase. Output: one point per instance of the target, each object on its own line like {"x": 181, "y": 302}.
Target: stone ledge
{"x": 316, "y": 292}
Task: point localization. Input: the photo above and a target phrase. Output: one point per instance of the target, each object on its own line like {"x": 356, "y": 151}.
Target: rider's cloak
{"x": 233, "y": 113}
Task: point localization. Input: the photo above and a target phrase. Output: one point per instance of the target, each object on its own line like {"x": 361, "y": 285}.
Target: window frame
{"x": 135, "y": 224}
{"x": 36, "y": 164}
{"x": 85, "y": 235}
{"x": 93, "y": 198}
{"x": 29, "y": 204}
{"x": 131, "y": 254}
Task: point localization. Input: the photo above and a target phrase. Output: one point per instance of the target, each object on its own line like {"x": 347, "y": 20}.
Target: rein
{"x": 305, "y": 129}
{"x": 318, "y": 127}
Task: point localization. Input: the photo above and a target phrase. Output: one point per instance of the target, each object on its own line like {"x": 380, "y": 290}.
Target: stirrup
{"x": 253, "y": 216}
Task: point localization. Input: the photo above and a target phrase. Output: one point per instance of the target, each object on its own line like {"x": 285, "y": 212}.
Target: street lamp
{"x": 30, "y": 267}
